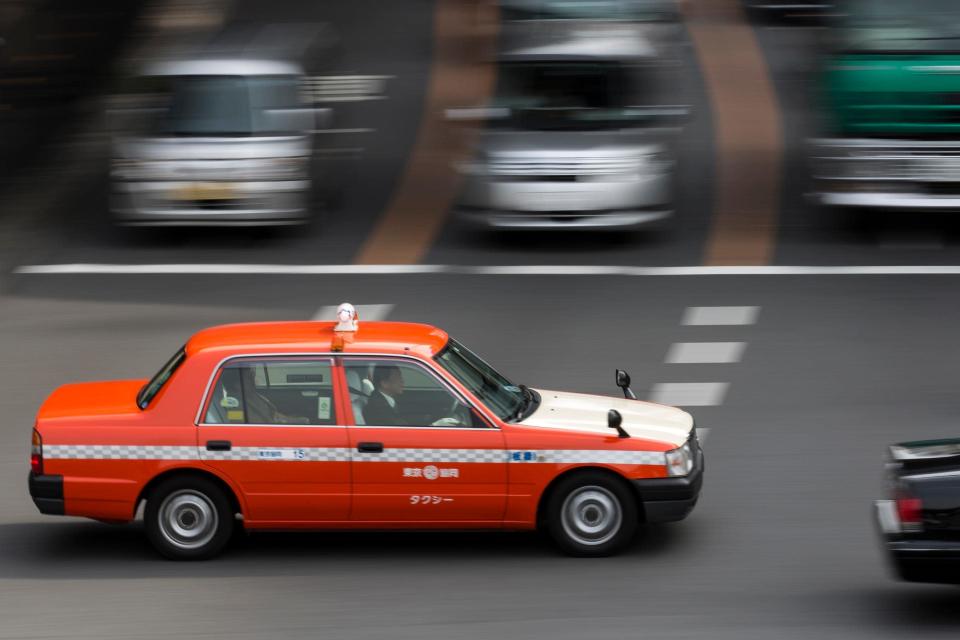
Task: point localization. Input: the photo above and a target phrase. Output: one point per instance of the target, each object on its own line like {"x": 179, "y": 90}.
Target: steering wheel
{"x": 456, "y": 413}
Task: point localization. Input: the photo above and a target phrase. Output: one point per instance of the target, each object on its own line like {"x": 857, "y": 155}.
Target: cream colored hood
{"x": 582, "y": 412}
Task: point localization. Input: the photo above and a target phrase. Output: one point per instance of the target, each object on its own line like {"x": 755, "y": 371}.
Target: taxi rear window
{"x": 156, "y": 383}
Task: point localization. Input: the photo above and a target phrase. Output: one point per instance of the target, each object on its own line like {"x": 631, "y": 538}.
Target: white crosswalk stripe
{"x": 705, "y": 352}
{"x": 720, "y": 315}
{"x": 689, "y": 394}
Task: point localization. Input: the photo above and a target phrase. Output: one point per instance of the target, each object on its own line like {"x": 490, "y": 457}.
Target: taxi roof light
{"x": 347, "y": 318}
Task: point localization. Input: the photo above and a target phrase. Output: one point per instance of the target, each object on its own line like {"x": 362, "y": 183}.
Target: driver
{"x": 382, "y": 407}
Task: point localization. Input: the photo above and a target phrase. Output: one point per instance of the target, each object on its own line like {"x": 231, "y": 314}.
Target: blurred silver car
{"x": 215, "y": 142}
{"x": 578, "y": 135}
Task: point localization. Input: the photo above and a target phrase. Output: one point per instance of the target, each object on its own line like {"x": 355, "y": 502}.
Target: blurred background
{"x": 700, "y": 132}
{"x": 558, "y": 183}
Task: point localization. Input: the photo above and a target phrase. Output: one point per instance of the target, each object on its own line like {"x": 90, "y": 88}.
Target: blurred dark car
{"x": 920, "y": 518}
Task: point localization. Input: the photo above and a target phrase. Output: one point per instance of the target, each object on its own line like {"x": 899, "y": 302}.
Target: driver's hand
{"x": 446, "y": 422}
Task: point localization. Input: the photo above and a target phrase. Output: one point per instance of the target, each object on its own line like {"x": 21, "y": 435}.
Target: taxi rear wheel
{"x": 591, "y": 514}
{"x": 188, "y": 518}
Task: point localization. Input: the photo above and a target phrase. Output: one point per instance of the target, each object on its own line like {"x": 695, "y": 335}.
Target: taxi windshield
{"x": 499, "y": 394}
{"x": 156, "y": 383}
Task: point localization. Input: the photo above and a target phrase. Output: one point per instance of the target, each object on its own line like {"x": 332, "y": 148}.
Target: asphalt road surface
{"x": 781, "y": 545}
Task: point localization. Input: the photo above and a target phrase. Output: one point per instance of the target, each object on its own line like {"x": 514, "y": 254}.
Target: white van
{"x": 215, "y": 142}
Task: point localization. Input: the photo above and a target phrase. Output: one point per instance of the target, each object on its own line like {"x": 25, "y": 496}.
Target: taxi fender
{"x": 233, "y": 493}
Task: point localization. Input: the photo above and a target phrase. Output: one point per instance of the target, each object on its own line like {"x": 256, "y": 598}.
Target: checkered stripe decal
{"x": 118, "y": 452}
{"x": 433, "y": 455}
{"x": 286, "y": 454}
{"x": 587, "y": 456}
{"x": 341, "y": 454}
{"x": 543, "y": 456}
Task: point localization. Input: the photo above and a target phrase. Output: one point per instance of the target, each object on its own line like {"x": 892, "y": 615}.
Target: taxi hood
{"x": 582, "y": 412}
{"x": 92, "y": 399}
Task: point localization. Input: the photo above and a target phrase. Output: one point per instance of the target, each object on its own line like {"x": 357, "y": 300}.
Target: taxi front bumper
{"x": 47, "y": 494}
{"x": 671, "y": 499}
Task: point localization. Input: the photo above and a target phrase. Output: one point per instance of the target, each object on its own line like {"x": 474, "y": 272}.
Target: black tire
{"x": 592, "y": 514}
{"x": 188, "y": 518}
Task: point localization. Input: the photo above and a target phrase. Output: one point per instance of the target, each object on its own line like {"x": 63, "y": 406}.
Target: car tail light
{"x": 910, "y": 512}
{"x": 36, "y": 454}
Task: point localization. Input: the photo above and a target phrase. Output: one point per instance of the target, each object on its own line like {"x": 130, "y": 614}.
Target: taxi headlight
{"x": 680, "y": 460}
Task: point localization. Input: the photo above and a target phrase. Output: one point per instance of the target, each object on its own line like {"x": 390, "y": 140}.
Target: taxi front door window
{"x": 395, "y": 393}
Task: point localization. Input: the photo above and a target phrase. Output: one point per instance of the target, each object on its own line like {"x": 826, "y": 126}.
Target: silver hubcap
{"x": 188, "y": 519}
{"x": 591, "y": 515}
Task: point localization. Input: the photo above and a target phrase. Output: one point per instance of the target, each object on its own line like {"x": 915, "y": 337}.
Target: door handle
{"x": 219, "y": 445}
{"x": 370, "y": 447}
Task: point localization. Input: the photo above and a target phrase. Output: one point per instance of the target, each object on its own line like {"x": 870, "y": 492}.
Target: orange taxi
{"x": 386, "y": 425}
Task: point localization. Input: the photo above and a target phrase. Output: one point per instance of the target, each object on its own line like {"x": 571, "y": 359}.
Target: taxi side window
{"x": 397, "y": 393}
{"x": 273, "y": 392}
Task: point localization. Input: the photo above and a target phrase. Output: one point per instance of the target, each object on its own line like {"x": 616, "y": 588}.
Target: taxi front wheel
{"x": 188, "y": 518}
{"x": 591, "y": 514}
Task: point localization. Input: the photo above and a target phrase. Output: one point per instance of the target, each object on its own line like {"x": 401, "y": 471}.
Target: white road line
{"x": 368, "y": 312}
{"x": 720, "y": 315}
{"x": 227, "y": 269}
{"x": 705, "y": 352}
{"x": 689, "y": 394}
{"x": 537, "y": 270}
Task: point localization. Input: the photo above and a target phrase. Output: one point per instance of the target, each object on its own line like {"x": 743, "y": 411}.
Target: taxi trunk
{"x": 91, "y": 399}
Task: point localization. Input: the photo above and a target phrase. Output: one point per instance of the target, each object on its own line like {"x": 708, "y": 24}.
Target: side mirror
{"x": 623, "y": 381}
{"x": 614, "y": 421}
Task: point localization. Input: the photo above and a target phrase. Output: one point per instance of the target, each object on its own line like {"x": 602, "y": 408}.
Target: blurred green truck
{"x": 891, "y": 86}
